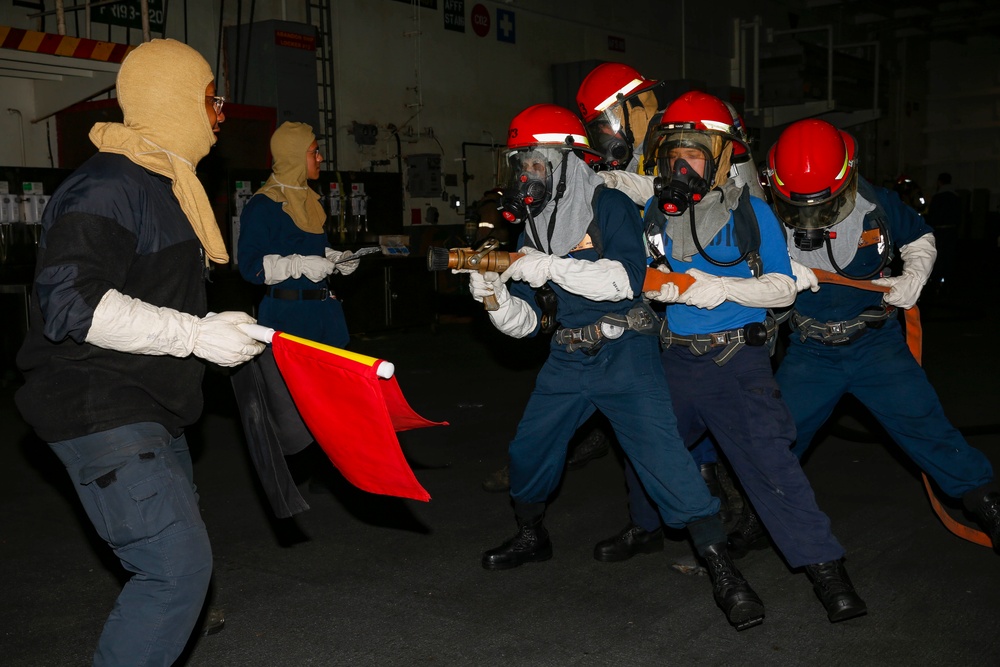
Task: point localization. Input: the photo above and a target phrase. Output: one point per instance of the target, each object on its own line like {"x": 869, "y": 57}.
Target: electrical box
{"x": 423, "y": 175}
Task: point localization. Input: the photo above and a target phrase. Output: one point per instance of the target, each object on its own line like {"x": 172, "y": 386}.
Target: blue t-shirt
{"x": 687, "y": 320}
{"x": 838, "y": 303}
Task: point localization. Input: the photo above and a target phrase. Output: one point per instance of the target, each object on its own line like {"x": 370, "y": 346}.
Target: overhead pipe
{"x": 144, "y": 17}
{"x": 60, "y": 18}
{"x": 246, "y": 62}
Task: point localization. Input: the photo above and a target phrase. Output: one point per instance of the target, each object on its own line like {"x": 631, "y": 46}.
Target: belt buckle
{"x": 835, "y": 328}
{"x": 720, "y": 338}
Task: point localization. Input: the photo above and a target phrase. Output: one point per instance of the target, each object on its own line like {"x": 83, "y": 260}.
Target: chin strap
{"x": 914, "y": 335}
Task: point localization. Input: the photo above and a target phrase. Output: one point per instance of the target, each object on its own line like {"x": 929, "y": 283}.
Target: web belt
{"x": 592, "y": 337}
{"x": 841, "y": 333}
{"x": 754, "y": 334}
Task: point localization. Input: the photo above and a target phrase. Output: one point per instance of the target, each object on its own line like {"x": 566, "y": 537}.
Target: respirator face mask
{"x": 680, "y": 185}
{"x": 812, "y": 216}
{"x": 610, "y": 135}
{"x": 529, "y": 182}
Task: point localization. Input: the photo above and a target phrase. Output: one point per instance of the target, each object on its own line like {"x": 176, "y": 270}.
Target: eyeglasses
{"x": 217, "y": 101}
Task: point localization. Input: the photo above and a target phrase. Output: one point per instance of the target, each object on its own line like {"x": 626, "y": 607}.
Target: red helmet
{"x": 602, "y": 100}
{"x": 602, "y": 87}
{"x": 812, "y": 171}
{"x": 539, "y": 140}
{"x": 697, "y": 120}
{"x": 547, "y": 125}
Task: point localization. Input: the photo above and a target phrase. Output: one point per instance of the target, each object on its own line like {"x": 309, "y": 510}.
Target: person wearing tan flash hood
{"x": 283, "y": 244}
{"x": 119, "y": 331}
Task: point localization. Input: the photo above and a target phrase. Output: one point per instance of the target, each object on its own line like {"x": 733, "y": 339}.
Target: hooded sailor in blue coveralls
{"x": 584, "y": 242}
{"x": 716, "y": 357}
{"x": 848, "y": 340}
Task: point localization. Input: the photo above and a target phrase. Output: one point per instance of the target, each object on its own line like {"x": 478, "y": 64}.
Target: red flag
{"x": 352, "y": 413}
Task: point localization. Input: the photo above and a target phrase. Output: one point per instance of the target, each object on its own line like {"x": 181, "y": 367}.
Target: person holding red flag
{"x": 119, "y": 326}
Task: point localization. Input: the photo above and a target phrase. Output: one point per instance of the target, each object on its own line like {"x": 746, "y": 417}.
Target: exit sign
{"x": 128, "y": 14}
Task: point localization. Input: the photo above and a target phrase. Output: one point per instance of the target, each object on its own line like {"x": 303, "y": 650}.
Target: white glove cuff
{"x": 129, "y": 325}
{"x": 603, "y": 280}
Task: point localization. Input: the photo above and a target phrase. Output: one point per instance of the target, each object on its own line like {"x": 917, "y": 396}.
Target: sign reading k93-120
{"x": 128, "y": 13}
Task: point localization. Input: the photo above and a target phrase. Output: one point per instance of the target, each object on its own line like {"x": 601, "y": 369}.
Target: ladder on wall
{"x": 318, "y": 15}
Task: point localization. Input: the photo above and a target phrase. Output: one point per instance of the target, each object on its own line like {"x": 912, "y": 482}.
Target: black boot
{"x": 834, "y": 589}
{"x": 530, "y": 545}
{"x": 632, "y": 540}
{"x": 731, "y": 591}
{"x": 710, "y": 473}
{"x": 748, "y": 535}
{"x": 593, "y": 446}
{"x": 984, "y": 503}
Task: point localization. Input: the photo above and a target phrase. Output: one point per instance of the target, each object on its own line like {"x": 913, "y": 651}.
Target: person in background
{"x": 585, "y": 241}
{"x": 283, "y": 244}
{"x": 118, "y": 333}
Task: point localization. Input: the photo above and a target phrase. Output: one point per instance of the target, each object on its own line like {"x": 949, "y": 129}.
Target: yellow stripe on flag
{"x": 353, "y": 356}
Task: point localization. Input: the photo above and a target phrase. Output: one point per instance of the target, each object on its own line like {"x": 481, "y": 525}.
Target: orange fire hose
{"x": 914, "y": 340}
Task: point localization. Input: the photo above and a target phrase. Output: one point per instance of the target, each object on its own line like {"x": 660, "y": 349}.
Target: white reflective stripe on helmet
{"x": 624, "y": 91}
{"x": 560, "y": 137}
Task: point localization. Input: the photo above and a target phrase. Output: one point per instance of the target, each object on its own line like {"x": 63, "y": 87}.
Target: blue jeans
{"x": 135, "y": 483}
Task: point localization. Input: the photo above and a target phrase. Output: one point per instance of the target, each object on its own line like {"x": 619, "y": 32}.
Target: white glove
{"x": 487, "y": 284}
{"x": 220, "y": 340}
{"x": 347, "y": 268}
{"x": 603, "y": 280}
{"x": 532, "y": 268}
{"x": 918, "y": 262}
{"x": 313, "y": 267}
{"x": 708, "y": 291}
{"x": 771, "y": 290}
{"x": 668, "y": 292}
{"x": 514, "y": 317}
{"x": 805, "y": 279}
{"x": 129, "y": 325}
{"x": 638, "y": 187}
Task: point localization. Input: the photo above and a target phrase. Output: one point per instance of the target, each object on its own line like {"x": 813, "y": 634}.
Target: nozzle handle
{"x": 490, "y": 302}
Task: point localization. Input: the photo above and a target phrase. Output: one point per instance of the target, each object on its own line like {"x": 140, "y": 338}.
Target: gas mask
{"x": 530, "y": 184}
{"x": 684, "y": 188}
{"x": 615, "y": 149}
{"x": 811, "y": 239}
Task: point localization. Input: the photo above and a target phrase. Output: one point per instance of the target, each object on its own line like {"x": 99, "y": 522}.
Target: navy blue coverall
{"x": 265, "y": 229}
{"x": 740, "y": 404}
{"x": 623, "y": 380}
{"x": 877, "y": 366}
